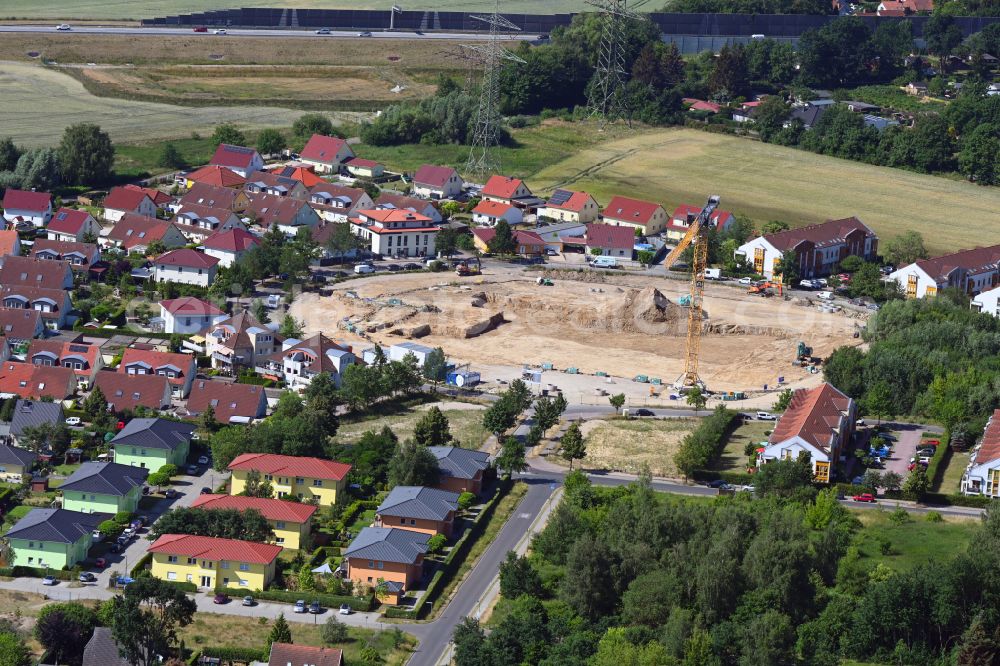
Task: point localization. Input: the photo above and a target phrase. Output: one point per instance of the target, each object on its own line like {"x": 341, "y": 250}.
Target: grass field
{"x": 951, "y": 479}
{"x": 914, "y": 542}
{"x": 466, "y": 423}
{"x": 629, "y": 444}
{"x": 732, "y": 458}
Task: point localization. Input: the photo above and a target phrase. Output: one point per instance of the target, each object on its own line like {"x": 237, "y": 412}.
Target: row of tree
{"x": 85, "y": 156}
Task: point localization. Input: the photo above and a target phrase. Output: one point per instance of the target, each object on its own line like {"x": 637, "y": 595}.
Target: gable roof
{"x": 105, "y": 478}
{"x": 419, "y": 502}
{"x": 502, "y": 187}
{"x": 684, "y": 211}
{"x": 124, "y": 198}
{"x": 203, "y": 194}
{"x": 126, "y": 392}
{"x": 190, "y": 306}
{"x": 231, "y": 240}
{"x": 60, "y": 350}
{"x": 156, "y": 359}
{"x": 286, "y": 654}
{"x": 568, "y": 200}
{"x": 334, "y": 191}
{"x": 227, "y": 400}
{"x": 192, "y": 211}
{"x": 12, "y": 455}
{"x": 435, "y": 176}
{"x": 458, "y": 462}
{"x": 274, "y": 180}
{"x": 323, "y": 149}
{"x": 701, "y": 105}
{"x": 270, "y": 508}
{"x": 303, "y": 174}
{"x": 19, "y": 323}
{"x": 492, "y": 208}
{"x": 525, "y": 238}
{"x": 9, "y": 242}
{"x": 37, "y": 381}
{"x": 87, "y": 250}
{"x": 135, "y": 229}
{"x": 238, "y": 328}
{"x": 55, "y": 525}
{"x": 35, "y": 272}
{"x": 403, "y": 201}
{"x": 235, "y": 157}
{"x": 989, "y": 445}
{"x": 154, "y": 433}
{"x": 33, "y": 413}
{"x": 156, "y": 196}
{"x": 610, "y": 236}
{"x": 826, "y": 233}
{"x": 319, "y": 347}
{"x": 388, "y": 544}
{"x": 35, "y": 202}
{"x": 813, "y": 415}
{"x": 102, "y": 650}
{"x": 211, "y": 548}
{"x": 271, "y": 463}
{"x": 216, "y": 175}
{"x": 978, "y": 258}
{"x": 270, "y": 209}
{"x": 186, "y": 258}
{"x": 627, "y": 209}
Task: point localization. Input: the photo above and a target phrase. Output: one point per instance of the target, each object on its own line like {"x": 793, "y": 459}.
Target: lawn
{"x": 627, "y": 445}
{"x": 915, "y": 541}
{"x": 733, "y": 459}
{"x": 951, "y": 478}
{"x": 139, "y": 160}
{"x": 466, "y": 421}
{"x": 65, "y": 470}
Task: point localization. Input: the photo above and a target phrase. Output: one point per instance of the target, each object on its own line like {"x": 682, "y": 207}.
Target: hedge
{"x": 18, "y": 571}
{"x": 351, "y": 513}
{"x": 732, "y": 478}
{"x": 141, "y": 564}
{"x": 939, "y": 462}
{"x": 182, "y": 585}
{"x": 700, "y": 447}
{"x": 244, "y": 654}
{"x": 956, "y": 499}
{"x": 290, "y": 597}
{"x": 6, "y": 498}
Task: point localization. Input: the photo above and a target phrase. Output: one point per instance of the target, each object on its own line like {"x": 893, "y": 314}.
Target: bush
{"x": 243, "y": 654}
{"x": 702, "y": 446}
{"x": 141, "y": 565}
{"x": 290, "y": 597}
{"x": 436, "y": 543}
{"x": 933, "y": 517}
{"x": 110, "y": 528}
{"x": 123, "y": 517}
{"x": 938, "y": 463}
{"x": 465, "y": 500}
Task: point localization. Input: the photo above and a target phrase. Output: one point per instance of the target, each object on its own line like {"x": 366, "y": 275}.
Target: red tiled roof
{"x": 684, "y": 210}
{"x": 134, "y": 230}
{"x": 360, "y": 162}
{"x": 227, "y": 400}
{"x": 322, "y": 149}
{"x": 158, "y": 197}
{"x": 236, "y": 157}
{"x": 270, "y": 209}
{"x": 525, "y": 238}
{"x": 9, "y": 240}
{"x": 272, "y": 509}
{"x": 502, "y": 187}
{"x": 270, "y": 463}
{"x": 813, "y": 415}
{"x": 825, "y": 233}
{"x": 36, "y": 202}
{"x": 63, "y": 248}
{"x": 974, "y": 260}
{"x": 304, "y": 175}
{"x": 701, "y": 105}
{"x": 35, "y": 272}
{"x": 211, "y": 548}
{"x": 492, "y": 208}
{"x": 68, "y": 221}
{"x": 62, "y": 350}
{"x": 19, "y": 323}
{"x": 186, "y": 257}
{"x": 189, "y": 305}
{"x": 610, "y": 236}
{"x": 157, "y": 359}
{"x": 989, "y": 447}
{"x": 386, "y": 215}
{"x": 36, "y": 381}
{"x": 203, "y": 194}
{"x": 575, "y": 202}
{"x": 126, "y": 392}
{"x": 635, "y": 211}
{"x": 233, "y": 240}
{"x": 435, "y": 176}
{"x": 283, "y": 654}
{"x": 219, "y": 176}
{"x": 124, "y": 198}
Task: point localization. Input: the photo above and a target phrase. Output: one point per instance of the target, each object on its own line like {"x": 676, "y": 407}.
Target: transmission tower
{"x": 482, "y": 157}
{"x": 606, "y": 95}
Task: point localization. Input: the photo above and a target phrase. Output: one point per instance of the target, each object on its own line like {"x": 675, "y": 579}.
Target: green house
{"x": 52, "y": 538}
{"x": 104, "y": 488}
{"x": 153, "y": 443}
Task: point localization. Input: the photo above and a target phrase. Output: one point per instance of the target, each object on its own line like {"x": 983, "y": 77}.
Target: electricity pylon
{"x": 605, "y": 98}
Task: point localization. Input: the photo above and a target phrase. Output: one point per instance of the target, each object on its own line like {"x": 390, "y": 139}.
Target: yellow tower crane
{"x": 697, "y": 238}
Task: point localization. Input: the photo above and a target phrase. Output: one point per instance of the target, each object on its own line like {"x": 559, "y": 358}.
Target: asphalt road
{"x": 242, "y": 32}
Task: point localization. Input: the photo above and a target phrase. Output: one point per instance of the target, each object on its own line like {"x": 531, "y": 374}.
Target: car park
{"x": 50, "y": 580}
{"x": 248, "y": 601}
{"x": 315, "y": 608}
{"x": 87, "y": 577}
{"x": 74, "y": 421}
{"x": 345, "y": 609}
{"x": 300, "y": 606}
{"x": 864, "y": 497}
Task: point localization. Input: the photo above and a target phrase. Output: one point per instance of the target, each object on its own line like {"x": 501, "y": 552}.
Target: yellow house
{"x": 308, "y": 479}
{"x": 211, "y": 563}
{"x": 290, "y": 521}
{"x": 15, "y": 463}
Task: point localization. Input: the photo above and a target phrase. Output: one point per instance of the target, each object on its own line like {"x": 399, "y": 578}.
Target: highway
{"x": 243, "y": 32}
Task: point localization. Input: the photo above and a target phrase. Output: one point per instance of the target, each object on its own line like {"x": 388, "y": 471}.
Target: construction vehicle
{"x": 765, "y": 288}
{"x": 697, "y": 237}
{"x": 469, "y": 267}
{"x": 803, "y": 353}
{"x": 543, "y": 282}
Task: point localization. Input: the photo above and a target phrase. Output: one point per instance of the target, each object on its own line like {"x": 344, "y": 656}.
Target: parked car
{"x": 315, "y": 608}
{"x": 73, "y": 421}
{"x": 364, "y": 269}
{"x": 220, "y": 599}
{"x": 643, "y": 412}
{"x": 300, "y": 606}
{"x": 345, "y": 609}
{"x": 50, "y": 580}
{"x": 932, "y": 442}
{"x": 323, "y": 31}
{"x": 100, "y": 563}
{"x": 203, "y": 460}
{"x": 192, "y": 469}
{"x": 248, "y": 601}
{"x": 550, "y": 252}
{"x": 864, "y": 497}
{"x": 928, "y": 451}
{"x": 766, "y": 416}
{"x": 912, "y": 466}
{"x": 744, "y": 280}
{"x": 145, "y": 490}
{"x": 170, "y": 493}
{"x": 96, "y": 536}
{"x": 718, "y": 483}
{"x": 205, "y": 490}
{"x": 86, "y": 577}
{"x": 412, "y": 267}
{"x": 393, "y": 267}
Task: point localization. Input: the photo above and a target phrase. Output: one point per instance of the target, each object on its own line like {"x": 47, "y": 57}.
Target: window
{"x": 280, "y": 540}
{"x": 299, "y": 481}
{"x": 171, "y": 575}
{"x": 31, "y": 544}
{"x": 31, "y": 559}
{"x": 412, "y": 521}
{"x": 381, "y": 565}
{"x": 317, "y": 483}
{"x": 225, "y": 565}
{"x": 268, "y": 477}
{"x": 402, "y": 521}
{"x": 371, "y": 565}
{"x": 225, "y": 581}
{"x": 172, "y": 559}
{"x": 244, "y": 566}
{"x": 279, "y": 525}
{"x": 192, "y": 560}
{"x": 190, "y": 578}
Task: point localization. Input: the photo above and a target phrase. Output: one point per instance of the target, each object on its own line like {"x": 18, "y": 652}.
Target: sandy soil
{"x": 625, "y": 446}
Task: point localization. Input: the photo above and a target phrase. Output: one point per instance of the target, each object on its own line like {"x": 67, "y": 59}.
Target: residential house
{"x": 694, "y": 104}
{"x": 211, "y": 196}
{"x": 291, "y": 522}
{"x": 82, "y": 358}
{"x": 238, "y": 342}
{"x": 325, "y": 232}
{"x": 395, "y": 233}
{"x": 35, "y": 272}
{"x": 604, "y": 240}
{"x": 152, "y": 443}
{"x": 528, "y": 243}
{"x": 15, "y": 463}
{"x": 243, "y": 161}
{"x": 199, "y": 222}
{"x": 188, "y": 314}
{"x": 808, "y": 115}
{"x": 305, "y": 174}
{"x": 552, "y": 234}
{"x": 403, "y": 202}
{"x": 461, "y": 469}
{"x": 819, "y": 422}
{"x": 179, "y": 369}
{"x": 269, "y": 182}
{"x": 185, "y": 266}
{"x": 27, "y": 380}
{"x": 818, "y": 248}
{"x": 982, "y": 475}
{"x": 19, "y": 325}
{"x": 336, "y": 203}
{"x": 10, "y": 243}
{"x": 126, "y": 392}
{"x": 504, "y": 189}
{"x": 53, "y": 305}
{"x": 80, "y": 256}
{"x": 746, "y": 112}
{"x": 103, "y": 650}
{"x": 389, "y": 554}
{"x": 215, "y": 176}
{"x": 104, "y": 487}
{"x": 121, "y": 200}
{"x": 916, "y": 88}
{"x": 969, "y": 271}
{"x": 488, "y": 213}
{"x": 33, "y": 414}
{"x": 287, "y": 654}
{"x": 21, "y": 207}
{"x": 362, "y": 168}
{"x": 325, "y": 154}
{"x": 53, "y": 539}
{"x": 232, "y": 403}
{"x": 987, "y": 301}
{"x": 158, "y": 197}
{"x": 299, "y": 361}
{"x": 289, "y": 215}
{"x": 428, "y": 510}
{"x": 436, "y": 182}
{"x": 685, "y": 214}
{"x": 569, "y": 206}
{"x": 291, "y": 476}
{"x": 230, "y": 246}
{"x": 648, "y": 217}
{"x": 209, "y": 562}
{"x": 134, "y": 233}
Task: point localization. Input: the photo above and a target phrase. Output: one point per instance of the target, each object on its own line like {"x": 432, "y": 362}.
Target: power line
{"x": 606, "y": 97}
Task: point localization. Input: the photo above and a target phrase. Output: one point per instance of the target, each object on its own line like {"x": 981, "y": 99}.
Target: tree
{"x": 243, "y": 525}
{"x": 904, "y": 249}
{"x": 511, "y": 458}
{"x": 432, "y": 429}
{"x": 784, "y": 477}
{"x": 942, "y": 35}
{"x": 86, "y": 154}
{"x": 784, "y": 399}
{"x": 503, "y": 240}
{"x": 334, "y": 631}
{"x": 446, "y": 241}
{"x": 588, "y": 592}
{"x": 696, "y": 398}
{"x": 157, "y": 479}
{"x": 155, "y": 248}
{"x": 879, "y": 400}
{"x": 845, "y": 369}
{"x": 9, "y": 154}
{"x": 259, "y": 311}
{"x": 291, "y": 327}
{"x": 413, "y": 465}
{"x": 313, "y": 123}
{"x": 280, "y": 631}
{"x": 617, "y": 401}
{"x": 13, "y": 651}
{"x": 47, "y": 436}
{"x": 64, "y": 629}
{"x": 571, "y": 446}
{"x": 227, "y": 133}
{"x": 979, "y": 158}
{"x": 774, "y": 226}
{"x": 435, "y": 366}
{"x": 270, "y": 142}
{"x": 146, "y": 617}
{"x": 255, "y": 486}
{"x": 38, "y": 168}
{"x": 916, "y": 484}
{"x": 499, "y": 417}
{"x": 208, "y": 420}
{"x": 730, "y": 77}
{"x": 96, "y": 404}
{"x": 789, "y": 267}
{"x": 170, "y": 157}
{"x": 892, "y": 481}
{"x": 466, "y": 500}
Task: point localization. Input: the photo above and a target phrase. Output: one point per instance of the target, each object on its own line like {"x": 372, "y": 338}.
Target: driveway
{"x": 904, "y": 448}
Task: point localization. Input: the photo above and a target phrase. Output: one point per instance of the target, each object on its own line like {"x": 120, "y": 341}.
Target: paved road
{"x": 242, "y": 33}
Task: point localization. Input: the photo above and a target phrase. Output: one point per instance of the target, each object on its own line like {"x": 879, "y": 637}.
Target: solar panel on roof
{"x": 79, "y": 348}
{"x": 61, "y": 216}
{"x": 559, "y": 197}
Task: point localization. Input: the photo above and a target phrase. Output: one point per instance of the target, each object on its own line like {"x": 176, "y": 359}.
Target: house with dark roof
{"x": 52, "y": 538}
{"x": 103, "y": 650}
{"x": 32, "y": 414}
{"x": 326, "y": 154}
{"x": 21, "y": 207}
{"x": 818, "y": 248}
{"x": 972, "y": 272}
{"x": 230, "y": 246}
{"x": 27, "y": 380}
{"x": 982, "y": 474}
{"x": 188, "y": 314}
{"x": 336, "y": 203}
{"x": 83, "y": 358}
{"x": 436, "y": 182}
{"x": 15, "y": 463}
{"x": 104, "y": 487}
{"x": 134, "y": 233}
{"x": 121, "y": 200}
{"x": 570, "y": 206}
{"x": 216, "y": 176}
{"x": 19, "y": 325}
{"x": 428, "y": 510}
{"x": 69, "y": 224}
{"x": 504, "y": 189}
{"x": 301, "y": 360}
{"x": 179, "y": 369}
{"x": 198, "y": 222}
{"x": 393, "y": 555}
{"x": 238, "y": 342}
{"x": 461, "y": 469}
{"x": 270, "y": 182}
{"x": 648, "y": 217}
{"x": 152, "y": 443}
{"x": 291, "y": 522}
{"x": 808, "y": 114}
{"x": 212, "y": 196}
{"x": 81, "y": 257}
{"x": 404, "y": 202}
{"x": 209, "y": 562}
{"x": 685, "y": 214}
{"x": 819, "y": 422}
{"x": 488, "y": 212}
{"x": 238, "y": 159}
{"x": 126, "y": 392}
{"x": 527, "y": 243}
{"x": 35, "y": 272}
{"x": 287, "y": 654}
{"x": 185, "y": 266}
{"x": 52, "y": 305}
{"x": 292, "y": 476}
{"x": 290, "y": 215}
{"x": 231, "y": 402}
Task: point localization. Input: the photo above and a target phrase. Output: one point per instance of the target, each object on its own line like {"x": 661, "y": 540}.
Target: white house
{"x": 326, "y": 154}
{"x": 987, "y": 301}
{"x": 301, "y": 360}
{"x": 236, "y": 343}
{"x": 970, "y": 271}
{"x": 200, "y": 222}
{"x": 185, "y": 266}
{"x": 436, "y": 182}
{"x": 121, "y": 200}
{"x": 30, "y": 207}
{"x": 487, "y": 213}
{"x": 569, "y": 206}
{"x": 396, "y": 233}
{"x": 819, "y": 422}
{"x": 982, "y": 476}
{"x": 189, "y": 315}
{"x": 230, "y": 246}
{"x": 401, "y": 201}
{"x": 685, "y": 214}
{"x": 818, "y": 248}
{"x": 72, "y": 225}
{"x": 336, "y": 203}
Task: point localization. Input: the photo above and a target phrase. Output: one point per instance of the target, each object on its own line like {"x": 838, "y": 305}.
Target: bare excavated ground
{"x": 623, "y": 326}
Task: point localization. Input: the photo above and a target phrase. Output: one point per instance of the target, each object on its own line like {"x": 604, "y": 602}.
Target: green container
{"x": 656, "y": 381}
{"x": 642, "y": 379}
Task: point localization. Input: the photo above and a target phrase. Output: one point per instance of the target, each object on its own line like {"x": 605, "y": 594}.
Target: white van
{"x": 604, "y": 262}
{"x": 361, "y": 269}
{"x": 825, "y": 295}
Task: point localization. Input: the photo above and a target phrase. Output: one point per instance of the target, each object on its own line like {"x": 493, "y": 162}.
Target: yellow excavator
{"x": 697, "y": 238}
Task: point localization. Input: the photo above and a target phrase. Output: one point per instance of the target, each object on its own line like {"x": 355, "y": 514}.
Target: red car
{"x": 931, "y": 442}
{"x": 100, "y": 563}
{"x": 200, "y": 28}
{"x": 864, "y": 497}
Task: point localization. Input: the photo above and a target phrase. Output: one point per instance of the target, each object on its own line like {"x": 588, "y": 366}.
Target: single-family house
{"x": 291, "y": 522}
{"x": 504, "y": 189}
{"x": 745, "y": 113}
{"x": 916, "y": 88}
{"x": 238, "y": 342}
{"x": 82, "y": 358}
{"x": 213, "y": 196}
{"x": 694, "y": 104}
{"x": 216, "y": 176}
{"x": 158, "y": 197}
{"x": 419, "y": 509}
{"x": 35, "y": 272}
{"x": 287, "y": 654}
{"x": 552, "y": 234}
{"x": 336, "y": 203}
{"x": 152, "y": 443}
{"x": 209, "y": 562}
{"x": 292, "y": 476}
{"x": 126, "y": 392}
{"x": 231, "y": 402}
{"x": 488, "y": 212}
{"x": 104, "y": 487}
{"x": 395, "y": 233}
{"x": 10, "y": 243}
{"x": 230, "y": 246}
{"x": 30, "y": 414}
{"x": 570, "y": 206}
{"x": 648, "y": 217}
{"x": 103, "y": 650}
{"x": 121, "y": 200}
{"x": 53, "y": 305}
{"x": 270, "y": 182}
{"x": 461, "y": 469}
{"x": 527, "y": 243}
{"x": 326, "y": 154}
{"x": 987, "y": 301}
{"x": 243, "y": 161}
{"x": 179, "y": 369}
{"x": 199, "y": 222}
{"x": 301, "y": 360}
{"x": 403, "y": 202}
{"x": 303, "y": 173}
{"x": 134, "y": 233}
{"x": 185, "y": 266}
{"x": 808, "y": 115}
{"x": 21, "y": 207}
{"x": 188, "y": 314}
{"x": 982, "y": 475}
{"x": 604, "y": 240}
{"x": 19, "y": 325}
{"x": 818, "y": 248}
{"x": 436, "y": 182}
{"x": 819, "y": 422}
{"x": 27, "y": 380}
{"x": 81, "y": 256}
{"x": 685, "y": 214}
{"x": 362, "y": 168}
{"x": 970, "y": 271}
{"x": 15, "y": 463}
{"x": 52, "y": 538}
{"x": 288, "y": 214}
{"x": 389, "y": 554}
